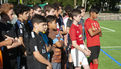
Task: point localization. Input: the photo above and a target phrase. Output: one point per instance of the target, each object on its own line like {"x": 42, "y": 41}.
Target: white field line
{"x": 108, "y": 29}
{"x": 111, "y": 47}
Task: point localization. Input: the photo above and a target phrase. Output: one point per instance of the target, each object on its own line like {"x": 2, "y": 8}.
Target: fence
{"x": 106, "y": 16}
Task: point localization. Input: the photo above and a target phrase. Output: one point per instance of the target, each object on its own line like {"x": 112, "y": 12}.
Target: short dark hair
{"x": 48, "y": 8}
{"x": 38, "y": 19}
{"x": 51, "y": 18}
{"x": 68, "y": 10}
{"x": 57, "y": 5}
{"x": 94, "y": 9}
{"x": 30, "y": 7}
{"x": 75, "y": 12}
{"x": 35, "y": 7}
{"x": 80, "y": 7}
{"x": 20, "y": 9}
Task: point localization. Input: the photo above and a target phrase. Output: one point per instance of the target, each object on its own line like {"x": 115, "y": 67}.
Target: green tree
{"x": 104, "y": 4}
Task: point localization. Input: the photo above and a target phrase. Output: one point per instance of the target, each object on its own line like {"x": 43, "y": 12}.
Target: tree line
{"x": 105, "y": 5}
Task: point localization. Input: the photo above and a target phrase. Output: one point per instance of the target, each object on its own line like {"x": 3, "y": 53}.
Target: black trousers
{"x": 9, "y": 62}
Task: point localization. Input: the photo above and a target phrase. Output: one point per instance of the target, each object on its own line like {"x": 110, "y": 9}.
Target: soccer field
{"x": 110, "y": 54}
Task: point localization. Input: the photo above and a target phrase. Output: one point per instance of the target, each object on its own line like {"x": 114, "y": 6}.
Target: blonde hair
{"x": 6, "y": 7}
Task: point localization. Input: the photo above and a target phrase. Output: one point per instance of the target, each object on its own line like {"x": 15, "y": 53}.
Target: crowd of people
{"x": 52, "y": 37}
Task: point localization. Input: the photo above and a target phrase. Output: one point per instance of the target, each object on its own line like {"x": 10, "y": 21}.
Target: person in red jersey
{"x": 78, "y": 51}
{"x": 93, "y": 33}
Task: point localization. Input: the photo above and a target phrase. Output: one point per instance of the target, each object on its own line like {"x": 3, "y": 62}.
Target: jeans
{"x": 56, "y": 65}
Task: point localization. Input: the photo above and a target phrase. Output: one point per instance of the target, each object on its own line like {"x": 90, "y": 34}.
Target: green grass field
{"x": 111, "y": 44}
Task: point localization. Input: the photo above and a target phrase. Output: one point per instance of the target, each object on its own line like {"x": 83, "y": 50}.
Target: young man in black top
{"x": 36, "y": 49}
{"x": 22, "y": 31}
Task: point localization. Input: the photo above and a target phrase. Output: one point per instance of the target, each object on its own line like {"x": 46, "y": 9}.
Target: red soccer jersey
{"x": 94, "y": 40}
{"x": 76, "y": 34}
